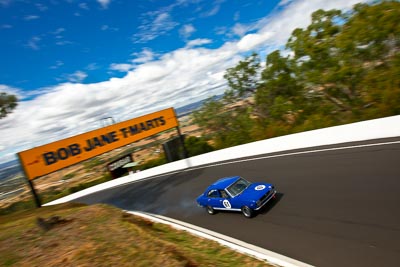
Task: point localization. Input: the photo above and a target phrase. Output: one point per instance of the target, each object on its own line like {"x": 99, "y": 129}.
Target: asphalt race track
{"x": 334, "y": 207}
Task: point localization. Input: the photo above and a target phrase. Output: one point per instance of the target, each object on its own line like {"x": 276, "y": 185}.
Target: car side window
{"x": 223, "y": 194}
{"x": 213, "y": 193}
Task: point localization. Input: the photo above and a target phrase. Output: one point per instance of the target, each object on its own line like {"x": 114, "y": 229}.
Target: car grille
{"x": 265, "y": 197}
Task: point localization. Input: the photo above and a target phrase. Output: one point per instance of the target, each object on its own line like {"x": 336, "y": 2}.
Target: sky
{"x": 72, "y": 63}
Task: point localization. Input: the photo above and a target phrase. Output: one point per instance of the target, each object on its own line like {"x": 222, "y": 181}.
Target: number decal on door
{"x": 226, "y": 204}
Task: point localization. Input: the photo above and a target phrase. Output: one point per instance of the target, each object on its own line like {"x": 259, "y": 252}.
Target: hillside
{"x": 107, "y": 237}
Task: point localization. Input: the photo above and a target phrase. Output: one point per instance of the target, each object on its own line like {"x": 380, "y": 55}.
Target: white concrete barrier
{"x": 360, "y": 131}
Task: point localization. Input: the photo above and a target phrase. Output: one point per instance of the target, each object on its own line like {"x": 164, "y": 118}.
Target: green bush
{"x": 82, "y": 186}
{"x": 196, "y": 146}
{"x": 68, "y": 176}
{"x": 89, "y": 164}
{"x": 153, "y": 163}
{"x": 18, "y": 206}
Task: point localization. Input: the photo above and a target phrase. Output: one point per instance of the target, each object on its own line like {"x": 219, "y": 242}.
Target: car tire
{"x": 210, "y": 210}
{"x": 247, "y": 212}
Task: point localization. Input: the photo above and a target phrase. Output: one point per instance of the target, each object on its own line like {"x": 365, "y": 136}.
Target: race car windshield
{"x": 238, "y": 187}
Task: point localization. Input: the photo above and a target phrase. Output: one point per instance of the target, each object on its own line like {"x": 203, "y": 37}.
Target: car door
{"x": 228, "y": 202}
{"x": 214, "y": 199}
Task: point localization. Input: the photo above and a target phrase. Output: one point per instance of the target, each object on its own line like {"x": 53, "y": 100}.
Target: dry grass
{"x": 100, "y": 235}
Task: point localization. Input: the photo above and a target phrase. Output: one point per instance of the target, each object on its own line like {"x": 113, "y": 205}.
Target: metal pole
{"x": 185, "y": 153}
{"x": 35, "y": 195}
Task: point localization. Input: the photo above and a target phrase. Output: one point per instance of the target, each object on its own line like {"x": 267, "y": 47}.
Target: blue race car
{"x": 236, "y": 194}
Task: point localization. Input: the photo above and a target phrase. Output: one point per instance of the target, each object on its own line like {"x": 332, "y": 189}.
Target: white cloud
{"x": 160, "y": 22}
{"x": 240, "y": 29}
{"x": 221, "y": 30}
{"x": 59, "y": 37}
{"x": 31, "y": 17}
{"x": 104, "y": 3}
{"x": 284, "y": 2}
{"x": 58, "y": 31}
{"x": 144, "y": 56}
{"x": 10, "y": 90}
{"x": 198, "y": 42}
{"x": 63, "y": 42}
{"x": 76, "y": 77}
{"x": 236, "y": 16}
{"x": 58, "y": 64}
{"x": 212, "y": 12}
{"x": 33, "y": 43}
{"x": 121, "y": 67}
{"x": 41, "y": 7}
{"x": 174, "y": 79}
{"x": 108, "y": 28}
{"x": 154, "y": 24}
{"x": 20, "y": 94}
{"x": 186, "y": 30}
{"x": 68, "y": 109}
{"x": 297, "y": 14}
{"x": 251, "y": 41}
{"x": 92, "y": 66}
{"x": 84, "y": 6}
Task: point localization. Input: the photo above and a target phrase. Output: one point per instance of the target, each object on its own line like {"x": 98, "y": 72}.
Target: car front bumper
{"x": 265, "y": 199}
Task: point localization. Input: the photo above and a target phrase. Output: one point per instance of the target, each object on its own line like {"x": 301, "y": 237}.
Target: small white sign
{"x": 260, "y": 187}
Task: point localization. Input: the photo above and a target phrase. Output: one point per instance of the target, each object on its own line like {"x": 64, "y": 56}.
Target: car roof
{"x": 224, "y": 182}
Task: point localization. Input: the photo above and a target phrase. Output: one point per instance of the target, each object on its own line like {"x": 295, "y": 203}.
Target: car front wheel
{"x": 210, "y": 210}
{"x": 247, "y": 212}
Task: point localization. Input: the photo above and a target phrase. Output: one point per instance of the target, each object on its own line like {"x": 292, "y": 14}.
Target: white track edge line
{"x": 235, "y": 244}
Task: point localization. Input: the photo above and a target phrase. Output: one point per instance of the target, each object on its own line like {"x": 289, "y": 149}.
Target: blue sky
{"x": 50, "y": 42}
{"x": 72, "y": 63}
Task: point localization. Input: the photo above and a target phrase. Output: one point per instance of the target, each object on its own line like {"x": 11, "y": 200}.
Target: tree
{"x": 227, "y": 124}
{"x": 210, "y": 115}
{"x": 370, "y": 45}
{"x": 318, "y": 61}
{"x": 277, "y": 96}
{"x": 243, "y": 79}
{"x": 343, "y": 67}
{"x": 7, "y": 104}
{"x": 372, "y": 32}
{"x": 339, "y": 56}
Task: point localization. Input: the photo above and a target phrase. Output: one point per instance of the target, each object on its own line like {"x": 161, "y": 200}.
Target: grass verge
{"x": 99, "y": 235}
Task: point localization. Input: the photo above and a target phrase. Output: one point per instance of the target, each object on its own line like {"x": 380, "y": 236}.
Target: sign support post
{"x": 31, "y": 185}
{"x": 185, "y": 153}
{"x": 35, "y": 195}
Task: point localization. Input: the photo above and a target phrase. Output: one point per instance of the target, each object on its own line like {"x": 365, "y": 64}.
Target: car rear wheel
{"x": 210, "y": 210}
{"x": 247, "y": 212}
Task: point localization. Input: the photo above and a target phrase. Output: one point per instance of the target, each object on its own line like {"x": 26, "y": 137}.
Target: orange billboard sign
{"x": 54, "y": 156}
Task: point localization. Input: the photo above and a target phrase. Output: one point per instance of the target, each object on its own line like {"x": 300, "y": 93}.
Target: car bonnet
{"x": 255, "y": 191}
